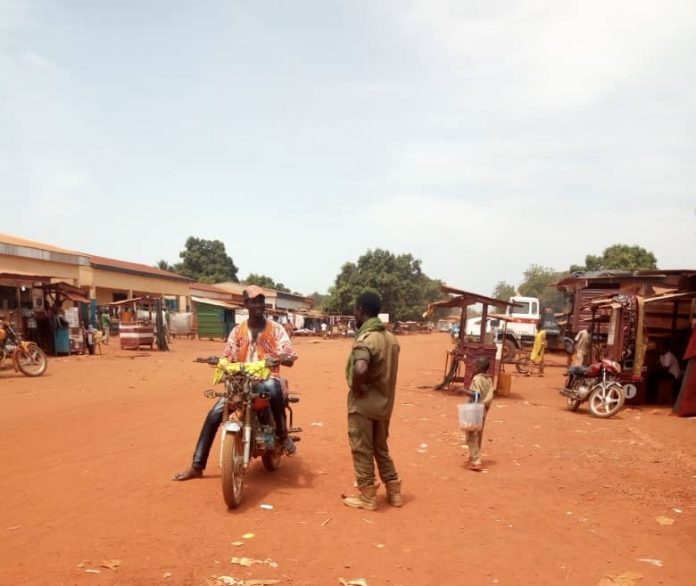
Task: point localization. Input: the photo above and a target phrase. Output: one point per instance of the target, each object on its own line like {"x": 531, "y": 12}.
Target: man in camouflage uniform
{"x": 371, "y": 375}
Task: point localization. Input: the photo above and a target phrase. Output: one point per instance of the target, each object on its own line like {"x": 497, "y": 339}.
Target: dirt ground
{"x": 88, "y": 451}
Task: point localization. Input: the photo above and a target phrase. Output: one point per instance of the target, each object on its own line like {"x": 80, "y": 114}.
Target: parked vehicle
{"x": 473, "y": 326}
{"x": 522, "y": 327}
{"x": 26, "y": 357}
{"x": 248, "y": 429}
{"x": 598, "y": 385}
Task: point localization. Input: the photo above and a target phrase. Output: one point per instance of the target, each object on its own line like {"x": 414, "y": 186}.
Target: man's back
{"x": 381, "y": 349}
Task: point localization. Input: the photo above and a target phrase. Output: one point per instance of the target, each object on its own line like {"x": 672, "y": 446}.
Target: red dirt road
{"x": 88, "y": 451}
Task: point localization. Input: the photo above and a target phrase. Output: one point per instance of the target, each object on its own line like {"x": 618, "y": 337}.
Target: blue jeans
{"x": 214, "y": 419}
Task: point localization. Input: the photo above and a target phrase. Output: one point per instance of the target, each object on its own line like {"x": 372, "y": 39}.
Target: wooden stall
{"x": 459, "y": 360}
{"x": 635, "y": 327}
{"x": 137, "y": 321}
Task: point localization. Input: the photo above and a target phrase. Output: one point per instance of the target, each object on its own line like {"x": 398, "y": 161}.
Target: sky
{"x": 480, "y": 137}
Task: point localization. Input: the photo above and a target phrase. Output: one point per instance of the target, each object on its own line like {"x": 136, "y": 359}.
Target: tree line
{"x": 405, "y": 289}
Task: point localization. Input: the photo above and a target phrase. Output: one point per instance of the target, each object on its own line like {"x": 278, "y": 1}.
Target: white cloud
{"x": 556, "y": 56}
{"x": 14, "y": 14}
{"x": 475, "y": 243}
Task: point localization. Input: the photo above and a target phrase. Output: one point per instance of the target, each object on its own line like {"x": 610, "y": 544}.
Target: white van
{"x": 473, "y": 326}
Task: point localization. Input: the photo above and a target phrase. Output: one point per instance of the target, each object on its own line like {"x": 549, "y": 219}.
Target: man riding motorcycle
{"x": 254, "y": 339}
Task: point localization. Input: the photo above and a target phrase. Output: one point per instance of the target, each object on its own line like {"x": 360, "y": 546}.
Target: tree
{"x": 404, "y": 288}
{"x": 503, "y": 290}
{"x": 206, "y": 261}
{"x": 619, "y": 257}
{"x": 164, "y": 265}
{"x": 265, "y": 281}
{"x": 539, "y": 282}
{"x": 320, "y": 299}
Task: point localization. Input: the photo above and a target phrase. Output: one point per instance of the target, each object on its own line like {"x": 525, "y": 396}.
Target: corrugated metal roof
{"x": 100, "y": 262}
{"x": 17, "y": 241}
{"x": 21, "y": 276}
{"x": 467, "y": 296}
{"x": 215, "y": 302}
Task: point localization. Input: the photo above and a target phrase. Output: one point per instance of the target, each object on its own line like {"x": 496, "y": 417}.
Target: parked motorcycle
{"x": 248, "y": 429}
{"x": 598, "y": 385}
{"x": 26, "y": 357}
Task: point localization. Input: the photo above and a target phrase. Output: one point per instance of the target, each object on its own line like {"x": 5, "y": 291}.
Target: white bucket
{"x": 470, "y": 416}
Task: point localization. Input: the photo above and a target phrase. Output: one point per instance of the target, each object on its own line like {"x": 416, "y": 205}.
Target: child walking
{"x": 481, "y": 385}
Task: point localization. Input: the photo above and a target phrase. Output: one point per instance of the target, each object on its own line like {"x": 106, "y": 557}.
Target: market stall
{"x": 636, "y": 327}
{"x": 66, "y": 323}
{"x": 137, "y": 321}
{"x": 459, "y": 360}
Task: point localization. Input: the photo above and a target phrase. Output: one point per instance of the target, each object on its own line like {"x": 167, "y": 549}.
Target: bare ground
{"x": 88, "y": 451}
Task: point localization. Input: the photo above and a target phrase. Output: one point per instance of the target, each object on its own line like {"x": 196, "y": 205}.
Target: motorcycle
{"x": 26, "y": 357}
{"x": 248, "y": 429}
{"x": 598, "y": 385}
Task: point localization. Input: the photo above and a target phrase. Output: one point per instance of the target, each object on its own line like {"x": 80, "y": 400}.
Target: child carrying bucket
{"x": 481, "y": 391}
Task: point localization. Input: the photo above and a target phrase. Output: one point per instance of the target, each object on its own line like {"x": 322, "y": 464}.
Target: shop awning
{"x": 75, "y": 297}
{"x": 672, "y": 296}
{"x": 215, "y": 302}
{"x": 23, "y": 277}
{"x": 143, "y": 300}
{"x": 467, "y": 297}
{"x": 66, "y": 291}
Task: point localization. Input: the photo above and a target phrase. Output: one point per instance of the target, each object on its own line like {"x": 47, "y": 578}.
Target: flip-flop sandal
{"x": 188, "y": 474}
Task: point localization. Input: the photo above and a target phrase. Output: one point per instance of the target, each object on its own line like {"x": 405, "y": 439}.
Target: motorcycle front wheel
{"x": 31, "y": 361}
{"x": 606, "y": 400}
{"x": 573, "y": 404}
{"x": 232, "y": 469}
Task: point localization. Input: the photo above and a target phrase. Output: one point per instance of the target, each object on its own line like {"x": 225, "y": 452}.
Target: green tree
{"x": 404, "y": 288}
{"x": 540, "y": 282}
{"x": 619, "y": 257}
{"x": 320, "y": 300}
{"x": 503, "y": 290}
{"x": 164, "y": 265}
{"x": 265, "y": 281}
{"x": 206, "y": 261}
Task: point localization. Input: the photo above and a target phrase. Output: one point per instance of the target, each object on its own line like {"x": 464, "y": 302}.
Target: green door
{"x": 211, "y": 321}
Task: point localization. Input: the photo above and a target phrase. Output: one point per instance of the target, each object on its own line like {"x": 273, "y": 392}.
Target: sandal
{"x": 188, "y": 474}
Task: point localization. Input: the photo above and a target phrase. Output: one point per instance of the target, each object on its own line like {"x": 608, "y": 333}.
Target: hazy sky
{"x": 479, "y": 136}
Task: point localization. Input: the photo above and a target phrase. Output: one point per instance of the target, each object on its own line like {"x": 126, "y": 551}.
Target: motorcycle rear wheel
{"x": 606, "y": 400}
{"x": 32, "y": 361}
{"x": 271, "y": 460}
{"x": 232, "y": 469}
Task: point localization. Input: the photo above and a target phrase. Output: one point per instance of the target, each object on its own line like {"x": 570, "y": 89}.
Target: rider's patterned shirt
{"x": 272, "y": 341}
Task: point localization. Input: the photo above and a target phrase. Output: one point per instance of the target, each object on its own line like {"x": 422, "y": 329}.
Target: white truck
{"x": 522, "y": 327}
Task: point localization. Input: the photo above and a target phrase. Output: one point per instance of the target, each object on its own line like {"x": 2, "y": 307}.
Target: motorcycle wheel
{"x": 32, "y": 361}
{"x": 232, "y": 469}
{"x": 606, "y": 400}
{"x": 271, "y": 460}
{"x": 509, "y": 351}
{"x": 523, "y": 365}
{"x": 573, "y": 404}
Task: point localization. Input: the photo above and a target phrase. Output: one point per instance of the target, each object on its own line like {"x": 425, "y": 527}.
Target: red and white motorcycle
{"x": 598, "y": 385}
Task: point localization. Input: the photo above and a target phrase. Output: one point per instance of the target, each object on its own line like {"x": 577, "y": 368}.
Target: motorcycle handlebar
{"x": 211, "y": 394}
{"x": 207, "y": 360}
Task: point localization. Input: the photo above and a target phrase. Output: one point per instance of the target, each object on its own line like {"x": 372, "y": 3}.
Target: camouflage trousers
{"x": 368, "y": 443}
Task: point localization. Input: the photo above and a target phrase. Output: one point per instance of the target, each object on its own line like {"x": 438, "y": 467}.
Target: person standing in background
{"x": 105, "y": 325}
